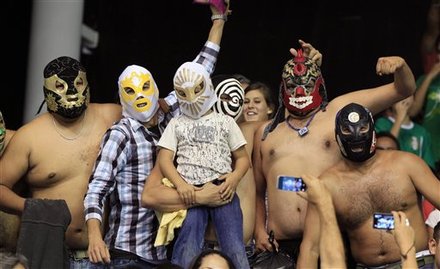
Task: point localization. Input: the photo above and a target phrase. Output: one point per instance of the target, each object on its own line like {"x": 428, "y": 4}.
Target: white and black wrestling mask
{"x": 66, "y": 90}
{"x": 354, "y": 131}
{"x": 138, "y": 93}
{"x": 230, "y": 96}
{"x": 194, "y": 90}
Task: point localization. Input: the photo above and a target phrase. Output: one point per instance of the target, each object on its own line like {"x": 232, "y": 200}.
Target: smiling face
{"x": 255, "y": 106}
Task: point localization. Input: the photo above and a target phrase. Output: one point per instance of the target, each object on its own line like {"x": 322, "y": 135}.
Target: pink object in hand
{"x": 220, "y": 5}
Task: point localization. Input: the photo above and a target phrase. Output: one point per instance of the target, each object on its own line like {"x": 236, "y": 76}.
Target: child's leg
{"x": 189, "y": 242}
{"x": 228, "y": 221}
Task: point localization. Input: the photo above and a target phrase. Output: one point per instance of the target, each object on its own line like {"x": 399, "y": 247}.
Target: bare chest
{"x": 357, "y": 197}
{"x": 61, "y": 161}
{"x": 311, "y": 153}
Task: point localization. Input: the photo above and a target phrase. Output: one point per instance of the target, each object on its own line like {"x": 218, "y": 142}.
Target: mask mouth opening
{"x": 357, "y": 147}
{"x": 141, "y": 105}
{"x": 72, "y": 99}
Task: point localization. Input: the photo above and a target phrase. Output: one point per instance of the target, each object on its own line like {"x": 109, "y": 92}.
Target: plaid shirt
{"x": 126, "y": 158}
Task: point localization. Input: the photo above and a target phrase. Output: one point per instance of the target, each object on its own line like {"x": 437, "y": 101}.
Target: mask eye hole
{"x": 364, "y": 129}
{"x": 146, "y": 86}
{"x": 79, "y": 82}
{"x": 181, "y": 93}
{"x": 345, "y": 130}
{"x": 59, "y": 86}
{"x": 199, "y": 87}
{"x": 129, "y": 90}
{"x": 225, "y": 97}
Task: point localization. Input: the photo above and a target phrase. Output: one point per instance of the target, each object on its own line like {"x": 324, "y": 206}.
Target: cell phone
{"x": 383, "y": 221}
{"x": 288, "y": 183}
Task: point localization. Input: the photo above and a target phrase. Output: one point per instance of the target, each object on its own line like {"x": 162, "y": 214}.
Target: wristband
{"x": 219, "y": 17}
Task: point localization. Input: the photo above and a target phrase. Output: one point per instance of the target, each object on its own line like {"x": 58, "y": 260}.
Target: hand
{"x": 215, "y": 11}
{"x": 262, "y": 242}
{"x": 187, "y": 193}
{"x": 401, "y": 108}
{"x": 403, "y": 232}
{"x": 316, "y": 192}
{"x": 98, "y": 251}
{"x": 389, "y": 65}
{"x": 228, "y": 187}
{"x": 309, "y": 52}
{"x": 435, "y": 71}
{"x": 209, "y": 195}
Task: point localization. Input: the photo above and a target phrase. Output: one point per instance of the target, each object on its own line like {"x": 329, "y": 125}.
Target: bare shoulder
{"x": 250, "y": 127}
{"x": 109, "y": 112}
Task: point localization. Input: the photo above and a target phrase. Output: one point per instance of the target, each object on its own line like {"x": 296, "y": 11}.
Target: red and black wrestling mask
{"x": 302, "y": 86}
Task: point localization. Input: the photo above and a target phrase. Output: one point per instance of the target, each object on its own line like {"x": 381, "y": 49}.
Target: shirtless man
{"x": 305, "y": 143}
{"x": 391, "y": 180}
{"x": 56, "y": 151}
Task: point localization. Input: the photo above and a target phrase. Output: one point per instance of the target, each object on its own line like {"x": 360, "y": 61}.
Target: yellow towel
{"x": 168, "y": 221}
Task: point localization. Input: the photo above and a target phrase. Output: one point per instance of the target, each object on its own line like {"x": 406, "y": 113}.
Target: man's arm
{"x": 162, "y": 198}
{"x": 102, "y": 182}
{"x": 380, "y": 98}
{"x": 422, "y": 177}
{"x": 14, "y": 165}
{"x": 208, "y": 55}
{"x": 261, "y": 236}
{"x": 321, "y": 229}
{"x": 420, "y": 95}
{"x": 405, "y": 239}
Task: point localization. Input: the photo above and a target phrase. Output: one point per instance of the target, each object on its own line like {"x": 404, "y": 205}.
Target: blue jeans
{"x": 130, "y": 263}
{"x": 114, "y": 264}
{"x": 84, "y": 264}
{"x": 228, "y": 222}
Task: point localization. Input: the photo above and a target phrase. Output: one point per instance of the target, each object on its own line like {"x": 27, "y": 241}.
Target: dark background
{"x": 160, "y": 35}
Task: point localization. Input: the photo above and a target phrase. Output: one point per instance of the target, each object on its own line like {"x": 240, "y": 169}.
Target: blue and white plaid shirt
{"x": 126, "y": 158}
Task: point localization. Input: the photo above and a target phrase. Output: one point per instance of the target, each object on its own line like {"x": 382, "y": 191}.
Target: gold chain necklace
{"x": 66, "y": 137}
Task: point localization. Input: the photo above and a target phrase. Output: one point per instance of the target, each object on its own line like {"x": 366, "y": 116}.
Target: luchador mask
{"x": 354, "y": 131}
{"x": 138, "y": 93}
{"x": 194, "y": 90}
{"x": 302, "y": 85}
{"x": 66, "y": 89}
{"x": 230, "y": 96}
{"x": 2, "y": 134}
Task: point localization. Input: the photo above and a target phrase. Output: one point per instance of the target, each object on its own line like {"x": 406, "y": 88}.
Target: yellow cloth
{"x": 168, "y": 221}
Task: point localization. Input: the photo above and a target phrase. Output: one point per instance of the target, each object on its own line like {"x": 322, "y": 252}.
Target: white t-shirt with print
{"x": 203, "y": 146}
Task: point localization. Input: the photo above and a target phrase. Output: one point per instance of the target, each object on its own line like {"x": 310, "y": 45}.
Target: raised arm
{"x": 379, "y": 98}
{"x": 322, "y": 237}
{"x": 420, "y": 95}
{"x": 208, "y": 55}
{"x": 405, "y": 239}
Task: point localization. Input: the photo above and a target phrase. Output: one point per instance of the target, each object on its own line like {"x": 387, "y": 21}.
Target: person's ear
{"x": 432, "y": 245}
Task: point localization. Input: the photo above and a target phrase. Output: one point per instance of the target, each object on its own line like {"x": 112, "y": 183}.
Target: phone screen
{"x": 383, "y": 221}
{"x": 287, "y": 183}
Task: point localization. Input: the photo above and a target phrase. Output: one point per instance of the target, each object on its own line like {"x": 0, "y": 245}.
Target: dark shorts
{"x": 291, "y": 247}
